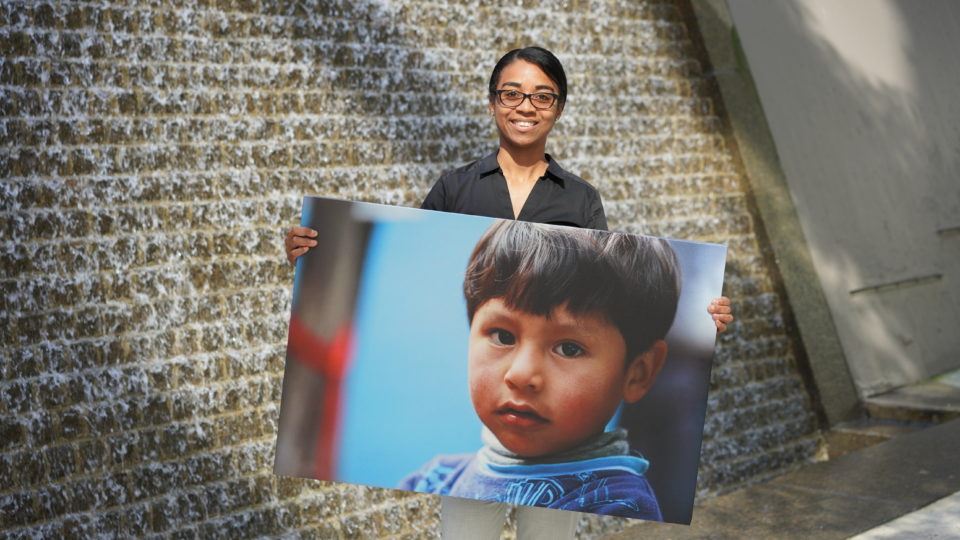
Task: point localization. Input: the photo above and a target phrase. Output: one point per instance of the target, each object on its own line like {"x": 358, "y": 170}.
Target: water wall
{"x": 152, "y": 155}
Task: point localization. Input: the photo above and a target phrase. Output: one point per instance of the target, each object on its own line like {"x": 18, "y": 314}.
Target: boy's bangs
{"x": 630, "y": 281}
{"x": 541, "y": 273}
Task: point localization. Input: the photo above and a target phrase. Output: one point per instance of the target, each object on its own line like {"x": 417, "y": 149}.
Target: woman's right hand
{"x": 298, "y": 241}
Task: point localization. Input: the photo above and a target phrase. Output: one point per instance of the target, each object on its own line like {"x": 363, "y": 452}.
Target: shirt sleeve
{"x": 598, "y": 219}
{"x": 437, "y": 198}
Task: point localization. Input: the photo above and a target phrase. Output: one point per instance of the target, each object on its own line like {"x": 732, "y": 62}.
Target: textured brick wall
{"x": 153, "y": 152}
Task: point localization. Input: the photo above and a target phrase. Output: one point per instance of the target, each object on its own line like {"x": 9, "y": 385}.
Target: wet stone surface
{"x": 153, "y": 152}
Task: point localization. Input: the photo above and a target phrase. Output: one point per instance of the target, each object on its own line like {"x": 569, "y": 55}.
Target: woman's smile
{"x": 524, "y": 125}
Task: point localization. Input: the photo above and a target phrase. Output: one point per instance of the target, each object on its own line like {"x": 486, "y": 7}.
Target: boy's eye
{"x": 502, "y": 337}
{"x": 569, "y": 349}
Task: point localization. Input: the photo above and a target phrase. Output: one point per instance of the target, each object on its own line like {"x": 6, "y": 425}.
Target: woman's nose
{"x": 526, "y": 105}
{"x": 526, "y": 370}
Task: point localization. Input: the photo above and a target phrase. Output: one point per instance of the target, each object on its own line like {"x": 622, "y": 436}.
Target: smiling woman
{"x": 526, "y": 96}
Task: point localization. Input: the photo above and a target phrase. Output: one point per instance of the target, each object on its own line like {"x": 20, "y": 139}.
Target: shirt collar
{"x": 488, "y": 165}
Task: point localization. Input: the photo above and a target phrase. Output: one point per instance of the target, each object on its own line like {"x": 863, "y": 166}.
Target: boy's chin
{"x": 523, "y": 449}
{"x": 535, "y": 450}
{"x": 531, "y": 450}
{"x": 526, "y": 453}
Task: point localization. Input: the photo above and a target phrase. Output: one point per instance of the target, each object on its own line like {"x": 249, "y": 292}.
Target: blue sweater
{"x": 612, "y": 485}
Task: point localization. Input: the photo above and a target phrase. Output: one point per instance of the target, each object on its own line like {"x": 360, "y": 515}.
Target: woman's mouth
{"x": 524, "y": 125}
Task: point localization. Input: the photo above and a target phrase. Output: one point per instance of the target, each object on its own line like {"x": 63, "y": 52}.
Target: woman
{"x": 527, "y": 94}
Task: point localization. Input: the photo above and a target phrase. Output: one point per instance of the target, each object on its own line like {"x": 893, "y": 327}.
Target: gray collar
{"x": 609, "y": 443}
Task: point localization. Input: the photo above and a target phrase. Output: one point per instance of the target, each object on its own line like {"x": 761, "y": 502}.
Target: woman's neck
{"x": 522, "y": 165}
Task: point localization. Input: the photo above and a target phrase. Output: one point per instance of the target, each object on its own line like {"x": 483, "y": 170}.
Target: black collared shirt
{"x": 479, "y": 189}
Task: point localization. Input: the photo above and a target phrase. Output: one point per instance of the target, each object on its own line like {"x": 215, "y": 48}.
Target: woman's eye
{"x": 502, "y": 337}
{"x": 569, "y": 349}
{"x": 512, "y": 94}
{"x": 542, "y": 98}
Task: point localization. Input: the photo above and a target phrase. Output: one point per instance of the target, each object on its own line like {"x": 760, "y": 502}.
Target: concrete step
{"x": 934, "y": 400}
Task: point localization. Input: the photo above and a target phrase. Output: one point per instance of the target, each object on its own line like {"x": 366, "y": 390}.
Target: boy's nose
{"x": 525, "y": 371}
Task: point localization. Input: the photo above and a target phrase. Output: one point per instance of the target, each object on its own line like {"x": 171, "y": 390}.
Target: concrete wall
{"x": 152, "y": 153}
{"x": 861, "y": 99}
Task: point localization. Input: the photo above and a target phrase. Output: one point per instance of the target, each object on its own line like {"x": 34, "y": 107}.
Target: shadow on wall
{"x": 862, "y": 125}
{"x": 393, "y": 102}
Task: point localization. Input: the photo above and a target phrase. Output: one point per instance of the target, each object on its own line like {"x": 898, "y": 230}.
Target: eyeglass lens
{"x": 513, "y": 98}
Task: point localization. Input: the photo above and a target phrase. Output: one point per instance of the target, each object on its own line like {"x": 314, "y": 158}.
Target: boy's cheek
{"x": 480, "y": 380}
{"x": 479, "y": 386}
{"x": 482, "y": 363}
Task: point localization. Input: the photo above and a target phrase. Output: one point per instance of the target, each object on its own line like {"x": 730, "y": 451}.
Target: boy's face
{"x": 543, "y": 385}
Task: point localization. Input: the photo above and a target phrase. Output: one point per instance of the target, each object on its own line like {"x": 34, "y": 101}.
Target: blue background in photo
{"x": 406, "y": 397}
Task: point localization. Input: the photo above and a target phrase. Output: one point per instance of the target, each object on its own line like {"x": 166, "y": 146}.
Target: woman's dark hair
{"x": 539, "y": 57}
{"x": 631, "y": 281}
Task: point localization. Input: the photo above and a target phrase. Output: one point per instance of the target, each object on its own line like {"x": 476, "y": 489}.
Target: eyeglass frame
{"x": 499, "y": 94}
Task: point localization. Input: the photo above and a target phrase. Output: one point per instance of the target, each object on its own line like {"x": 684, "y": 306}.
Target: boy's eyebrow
{"x": 560, "y": 322}
{"x": 573, "y": 326}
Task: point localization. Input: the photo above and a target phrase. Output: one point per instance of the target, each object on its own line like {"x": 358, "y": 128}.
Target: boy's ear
{"x": 643, "y": 370}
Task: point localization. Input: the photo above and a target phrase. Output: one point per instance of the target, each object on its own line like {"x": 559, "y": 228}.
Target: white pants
{"x": 468, "y": 519}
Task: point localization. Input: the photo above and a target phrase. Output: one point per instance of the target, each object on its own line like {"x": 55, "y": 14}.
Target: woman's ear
{"x": 643, "y": 370}
{"x": 490, "y": 107}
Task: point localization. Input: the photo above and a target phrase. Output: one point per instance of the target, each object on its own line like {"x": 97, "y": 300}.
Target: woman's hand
{"x": 298, "y": 241}
{"x": 721, "y": 311}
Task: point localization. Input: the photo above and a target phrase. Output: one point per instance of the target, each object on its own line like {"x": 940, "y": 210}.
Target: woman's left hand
{"x": 721, "y": 312}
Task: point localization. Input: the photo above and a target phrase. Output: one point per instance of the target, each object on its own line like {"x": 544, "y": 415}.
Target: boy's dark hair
{"x": 539, "y": 57}
{"x": 632, "y": 281}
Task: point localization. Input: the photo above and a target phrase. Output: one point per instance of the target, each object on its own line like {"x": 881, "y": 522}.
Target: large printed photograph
{"x": 499, "y": 360}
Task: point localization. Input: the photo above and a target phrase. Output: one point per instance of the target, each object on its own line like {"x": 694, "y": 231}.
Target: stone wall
{"x": 152, "y": 154}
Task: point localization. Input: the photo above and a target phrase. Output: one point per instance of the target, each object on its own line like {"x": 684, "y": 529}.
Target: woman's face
{"x": 524, "y": 126}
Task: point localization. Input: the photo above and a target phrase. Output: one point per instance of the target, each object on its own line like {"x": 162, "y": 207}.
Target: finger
{"x": 294, "y": 253}
{"x": 727, "y": 319}
{"x": 302, "y": 231}
{"x": 720, "y": 301}
{"x": 721, "y": 310}
{"x": 298, "y": 241}
{"x": 721, "y": 327}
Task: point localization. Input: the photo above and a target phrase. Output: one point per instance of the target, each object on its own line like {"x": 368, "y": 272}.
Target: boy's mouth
{"x": 518, "y": 415}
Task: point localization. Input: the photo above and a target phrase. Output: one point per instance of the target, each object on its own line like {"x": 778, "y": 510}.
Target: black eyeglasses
{"x": 513, "y": 98}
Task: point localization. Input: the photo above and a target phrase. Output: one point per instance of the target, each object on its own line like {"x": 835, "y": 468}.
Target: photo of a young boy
{"x": 565, "y": 326}
{"x": 499, "y": 360}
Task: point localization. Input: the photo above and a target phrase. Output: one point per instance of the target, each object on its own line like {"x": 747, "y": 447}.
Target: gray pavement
{"x": 938, "y": 521}
{"x": 840, "y": 498}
